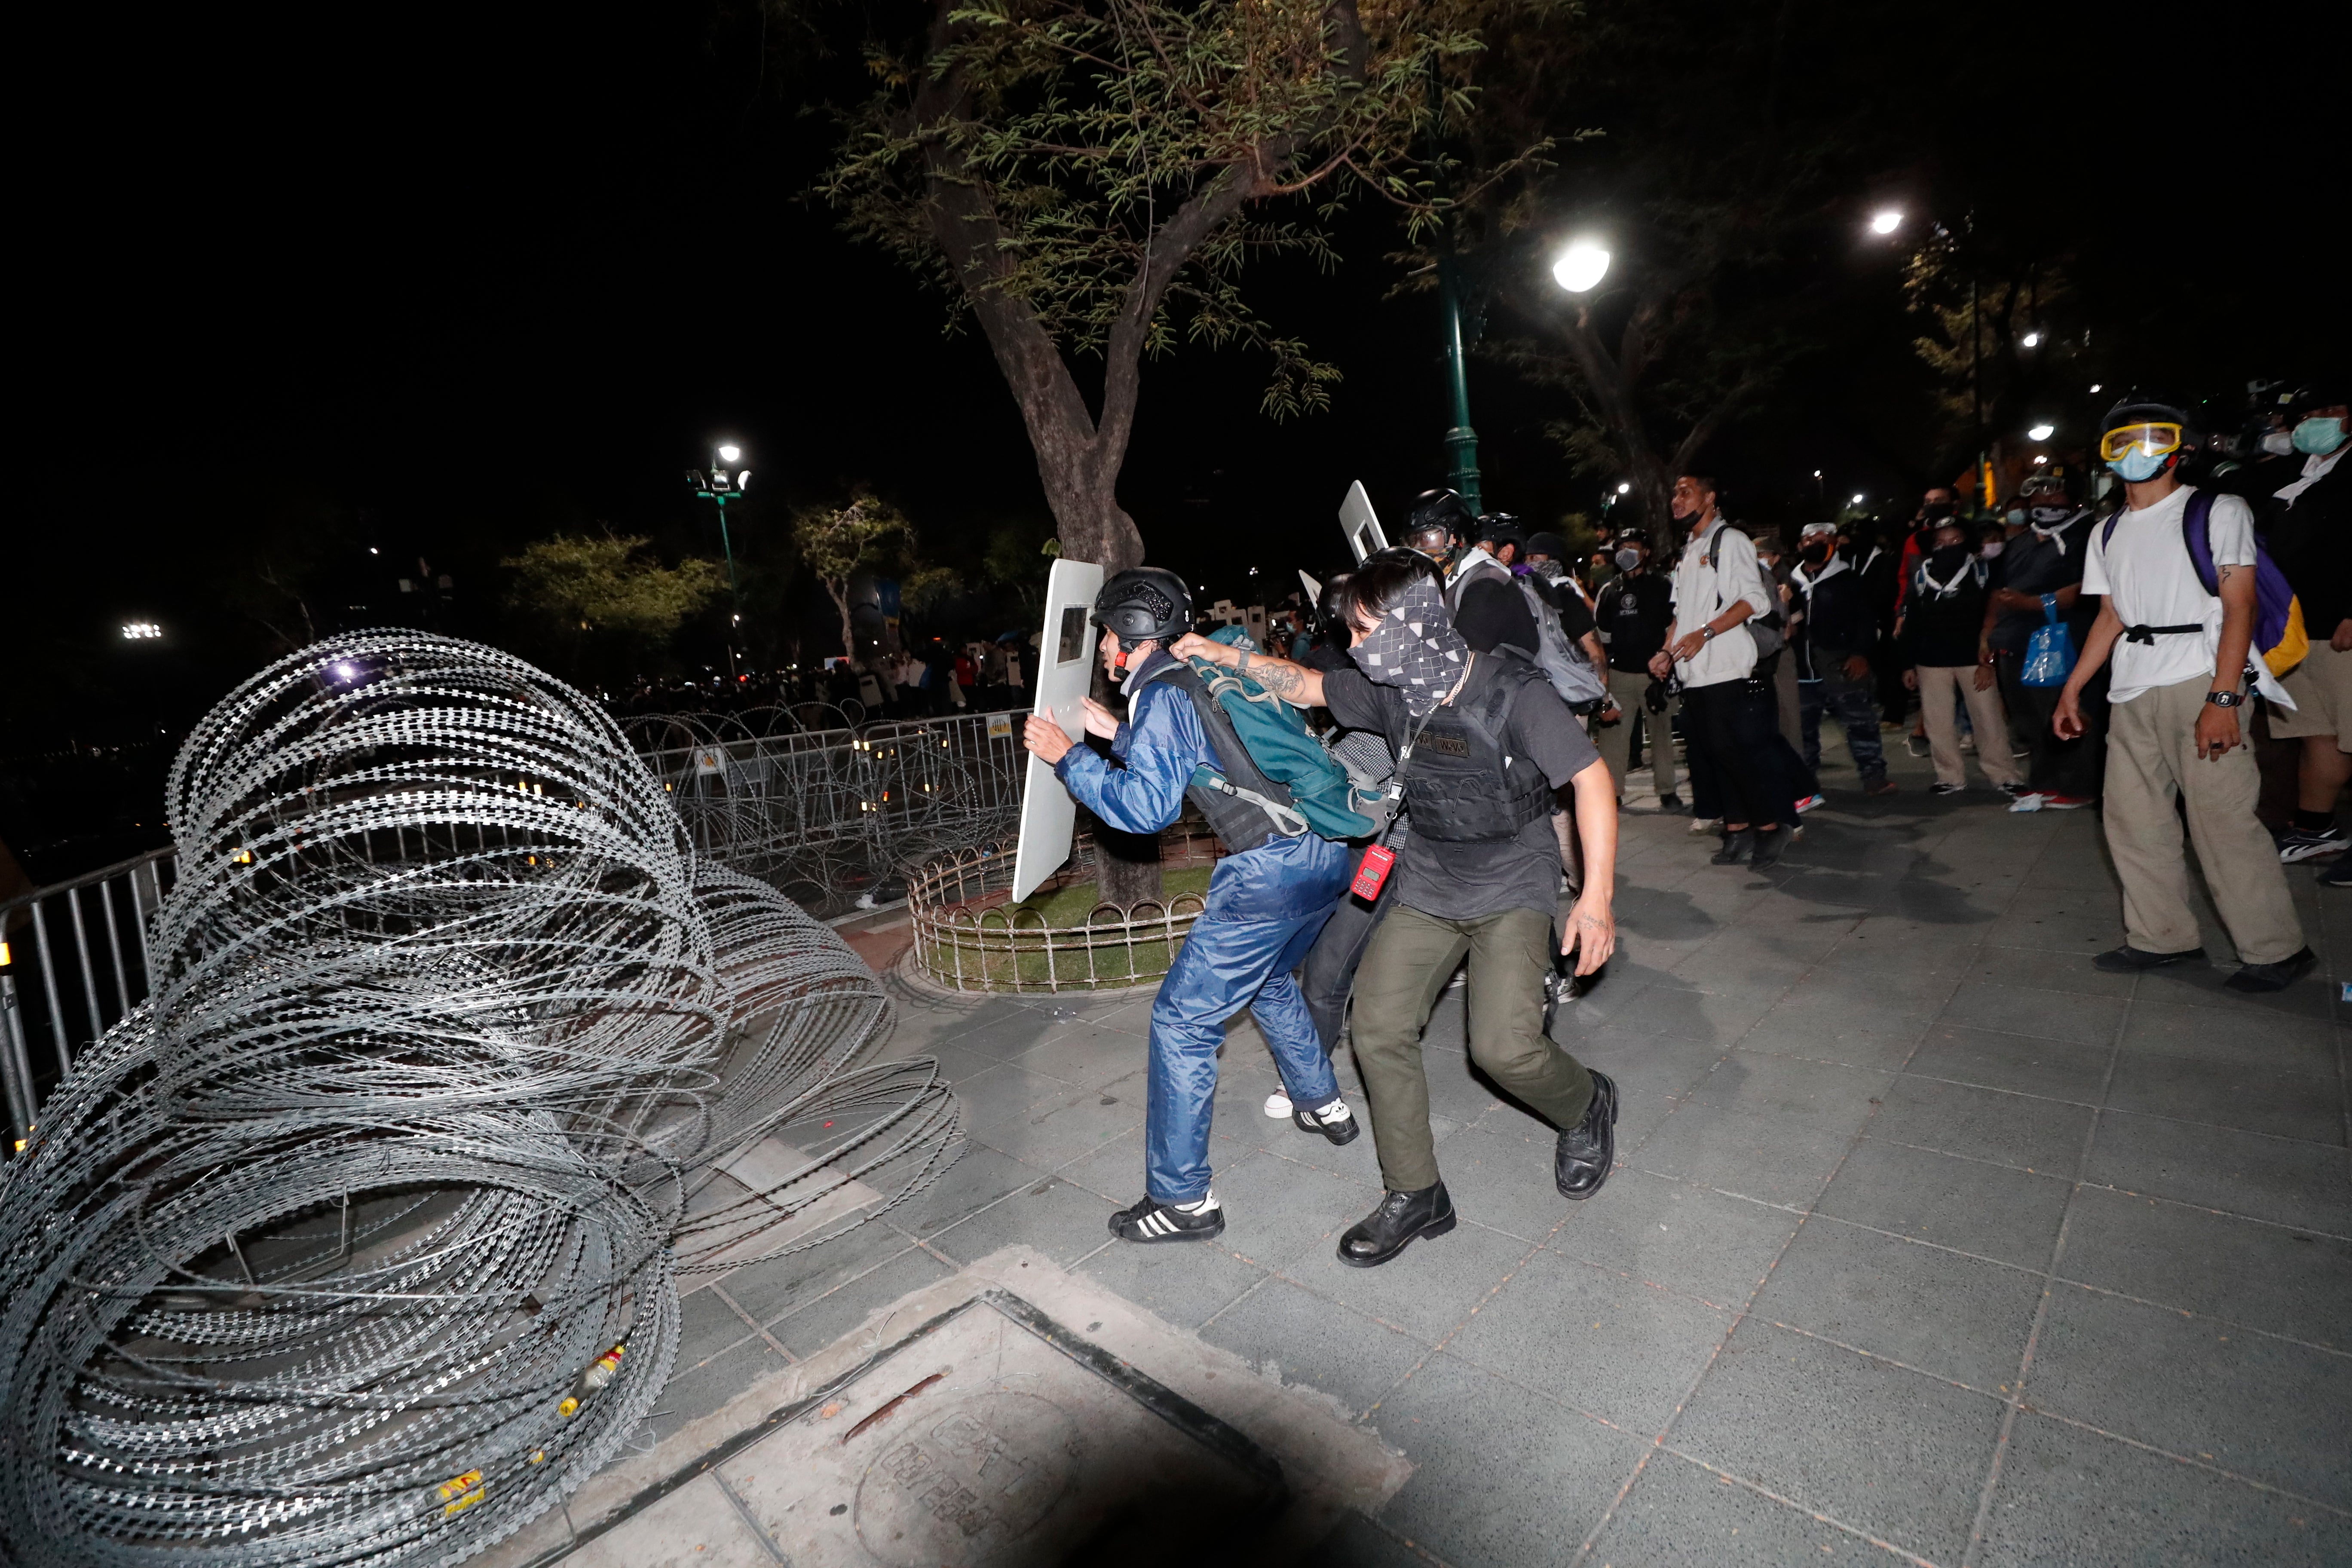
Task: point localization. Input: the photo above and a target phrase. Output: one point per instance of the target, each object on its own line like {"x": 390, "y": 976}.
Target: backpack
{"x": 1765, "y": 628}
{"x": 2278, "y": 634}
{"x": 1571, "y": 674}
{"x": 1274, "y": 737}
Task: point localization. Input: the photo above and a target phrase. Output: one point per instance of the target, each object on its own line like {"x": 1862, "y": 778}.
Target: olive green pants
{"x": 1400, "y": 980}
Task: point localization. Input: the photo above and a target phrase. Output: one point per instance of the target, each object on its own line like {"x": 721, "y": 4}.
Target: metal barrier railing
{"x": 73, "y": 961}
{"x": 970, "y": 936}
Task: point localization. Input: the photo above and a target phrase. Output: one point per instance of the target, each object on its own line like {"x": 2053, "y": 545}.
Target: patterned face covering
{"x": 1414, "y": 649}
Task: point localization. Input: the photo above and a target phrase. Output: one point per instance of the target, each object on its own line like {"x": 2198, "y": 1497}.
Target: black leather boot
{"x": 1736, "y": 847}
{"x": 1392, "y": 1227}
{"x": 1581, "y": 1160}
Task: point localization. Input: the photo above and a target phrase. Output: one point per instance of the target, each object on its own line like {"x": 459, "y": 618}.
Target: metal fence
{"x": 833, "y": 818}
{"x": 73, "y": 961}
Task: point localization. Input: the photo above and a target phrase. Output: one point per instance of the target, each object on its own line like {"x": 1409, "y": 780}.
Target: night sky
{"x": 471, "y": 276}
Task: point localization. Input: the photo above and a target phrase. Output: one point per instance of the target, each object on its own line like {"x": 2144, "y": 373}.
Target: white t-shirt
{"x": 2145, "y": 573}
{"x": 1702, "y": 592}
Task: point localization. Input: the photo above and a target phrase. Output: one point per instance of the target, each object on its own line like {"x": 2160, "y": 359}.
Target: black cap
{"x": 1145, "y": 604}
{"x": 1550, "y": 544}
{"x": 2316, "y": 394}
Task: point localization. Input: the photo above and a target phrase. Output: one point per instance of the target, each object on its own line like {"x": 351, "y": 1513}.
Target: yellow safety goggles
{"x": 2155, "y": 440}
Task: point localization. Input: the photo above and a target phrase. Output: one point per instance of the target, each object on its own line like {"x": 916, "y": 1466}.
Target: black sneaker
{"x": 1151, "y": 1220}
{"x": 1768, "y": 847}
{"x": 2130, "y": 960}
{"x": 2014, "y": 791}
{"x": 2259, "y": 977}
{"x": 2296, "y": 844}
{"x": 1736, "y": 848}
{"x": 1401, "y": 1218}
{"x": 1670, "y": 802}
{"x": 1580, "y": 1161}
{"x": 1334, "y": 1121}
{"x": 1940, "y": 787}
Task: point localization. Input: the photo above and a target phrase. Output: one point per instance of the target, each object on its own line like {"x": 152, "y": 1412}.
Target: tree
{"x": 866, "y": 535}
{"x": 599, "y": 605}
{"x": 1088, "y": 178}
{"x": 1724, "y": 182}
{"x": 1985, "y": 301}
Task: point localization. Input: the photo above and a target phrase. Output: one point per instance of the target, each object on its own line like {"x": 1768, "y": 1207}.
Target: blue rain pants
{"x": 1266, "y": 908}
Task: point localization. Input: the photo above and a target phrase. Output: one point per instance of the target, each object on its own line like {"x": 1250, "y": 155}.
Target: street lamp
{"x": 142, "y": 631}
{"x": 2032, "y": 340}
{"x": 1886, "y": 222}
{"x": 1857, "y": 498}
{"x": 2042, "y": 432}
{"x": 719, "y": 486}
{"x": 1581, "y": 267}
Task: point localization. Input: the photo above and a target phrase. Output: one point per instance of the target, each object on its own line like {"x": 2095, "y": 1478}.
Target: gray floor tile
{"x": 1698, "y": 1014}
{"x": 1605, "y": 1344}
{"x": 809, "y": 1328}
{"x": 2063, "y": 971}
{"x": 1858, "y": 1037}
{"x": 1499, "y": 1477}
{"x": 694, "y": 1525}
{"x": 2049, "y": 1014}
{"x": 2013, "y": 1129}
{"x": 1892, "y": 1452}
{"x": 1846, "y": 985}
{"x": 1063, "y": 1126}
{"x": 2289, "y": 1281}
{"x": 2229, "y": 1038}
{"x": 1062, "y": 1221}
{"x": 978, "y": 1177}
{"x": 2243, "y": 1173}
{"x": 1681, "y": 1515}
{"x": 1653, "y": 1067}
{"x": 770, "y": 1290}
{"x": 1457, "y": 1090}
{"x": 2285, "y": 1105}
{"x": 1000, "y": 1091}
{"x": 1010, "y": 1032}
{"x": 1304, "y": 1338}
{"x": 2068, "y": 1497}
{"x": 695, "y": 1391}
{"x": 2259, "y": 1406}
{"x": 1953, "y": 1316}
{"x": 1753, "y": 1156}
{"x": 2076, "y": 924}
{"x": 1183, "y": 1283}
{"x": 707, "y": 1326}
{"x": 1276, "y": 1209}
{"x": 1690, "y": 1239}
{"x": 1992, "y": 1211}
{"x": 2023, "y": 1063}
{"x": 1090, "y": 1056}
{"x": 1830, "y": 1097}
{"x": 1502, "y": 1181}
{"x": 1427, "y": 1290}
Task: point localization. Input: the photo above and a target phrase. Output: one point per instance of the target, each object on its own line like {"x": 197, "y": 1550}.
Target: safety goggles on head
{"x": 2155, "y": 440}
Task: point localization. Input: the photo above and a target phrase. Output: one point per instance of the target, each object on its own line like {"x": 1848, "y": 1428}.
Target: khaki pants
{"x": 1403, "y": 972}
{"x": 1938, "y": 684}
{"x": 2151, "y": 761}
{"x": 1616, "y": 740}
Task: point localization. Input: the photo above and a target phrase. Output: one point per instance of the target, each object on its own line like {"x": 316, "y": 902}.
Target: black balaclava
{"x": 1414, "y": 648}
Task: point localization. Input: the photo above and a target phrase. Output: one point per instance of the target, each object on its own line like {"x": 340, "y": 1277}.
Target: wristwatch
{"x": 1706, "y": 633}
{"x": 2226, "y": 699}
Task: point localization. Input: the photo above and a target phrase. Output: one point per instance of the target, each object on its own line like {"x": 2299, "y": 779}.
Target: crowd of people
{"x": 1480, "y": 707}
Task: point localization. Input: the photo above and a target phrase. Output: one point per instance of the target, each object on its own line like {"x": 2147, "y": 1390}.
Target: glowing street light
{"x": 2042, "y": 432}
{"x": 730, "y": 453}
{"x": 140, "y": 631}
{"x": 2032, "y": 340}
{"x": 1581, "y": 267}
{"x": 1886, "y": 222}
{"x": 1626, "y": 489}
{"x": 1857, "y": 498}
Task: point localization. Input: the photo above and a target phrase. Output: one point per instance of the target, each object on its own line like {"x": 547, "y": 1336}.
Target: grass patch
{"x": 1020, "y": 962}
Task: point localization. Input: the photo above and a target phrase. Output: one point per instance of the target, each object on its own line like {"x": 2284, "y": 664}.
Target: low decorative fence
{"x": 970, "y": 936}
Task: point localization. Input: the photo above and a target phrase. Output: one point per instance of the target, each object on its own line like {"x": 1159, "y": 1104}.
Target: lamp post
{"x": 724, "y": 483}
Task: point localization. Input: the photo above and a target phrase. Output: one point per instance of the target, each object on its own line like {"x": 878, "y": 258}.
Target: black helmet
{"x": 2147, "y": 406}
{"x": 1433, "y": 510}
{"x": 2158, "y": 422}
{"x": 1499, "y": 526}
{"x": 1145, "y": 604}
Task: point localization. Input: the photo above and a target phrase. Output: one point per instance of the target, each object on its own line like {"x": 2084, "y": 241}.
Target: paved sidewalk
{"x": 1930, "y": 1242}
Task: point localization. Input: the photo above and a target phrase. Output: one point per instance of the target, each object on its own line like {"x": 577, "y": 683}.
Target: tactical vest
{"x": 1462, "y": 784}
{"x": 1235, "y": 803}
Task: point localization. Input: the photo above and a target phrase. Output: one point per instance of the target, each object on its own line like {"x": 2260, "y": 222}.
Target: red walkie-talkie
{"x": 1373, "y": 873}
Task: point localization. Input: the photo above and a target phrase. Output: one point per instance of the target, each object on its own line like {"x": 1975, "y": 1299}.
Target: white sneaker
{"x": 2029, "y": 801}
{"x": 1278, "y": 1106}
{"x": 1711, "y": 825}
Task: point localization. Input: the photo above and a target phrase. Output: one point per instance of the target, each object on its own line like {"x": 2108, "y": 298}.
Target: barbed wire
{"x": 359, "y": 1242}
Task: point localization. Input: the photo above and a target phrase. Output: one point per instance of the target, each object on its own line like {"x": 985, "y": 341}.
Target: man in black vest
{"x": 1482, "y": 741}
{"x": 1636, "y": 607}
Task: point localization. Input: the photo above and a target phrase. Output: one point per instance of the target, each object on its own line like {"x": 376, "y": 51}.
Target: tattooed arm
{"x": 2216, "y": 728}
{"x": 1294, "y": 683}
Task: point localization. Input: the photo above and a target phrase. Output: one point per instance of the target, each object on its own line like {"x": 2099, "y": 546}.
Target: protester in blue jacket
{"x": 1267, "y": 900}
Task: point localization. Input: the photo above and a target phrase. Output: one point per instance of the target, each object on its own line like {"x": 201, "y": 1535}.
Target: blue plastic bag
{"x": 2050, "y": 651}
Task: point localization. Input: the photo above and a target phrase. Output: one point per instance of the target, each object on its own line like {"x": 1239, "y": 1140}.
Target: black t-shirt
{"x": 1940, "y": 630}
{"x": 1469, "y": 881}
{"x": 1493, "y": 612}
{"x": 2033, "y": 564}
{"x": 1633, "y": 613}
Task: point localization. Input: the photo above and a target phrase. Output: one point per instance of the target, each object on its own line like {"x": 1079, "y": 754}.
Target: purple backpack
{"x": 2278, "y": 618}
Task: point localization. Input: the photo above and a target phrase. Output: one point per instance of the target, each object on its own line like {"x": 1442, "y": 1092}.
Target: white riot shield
{"x": 1361, "y": 523}
{"x": 1066, "y": 664}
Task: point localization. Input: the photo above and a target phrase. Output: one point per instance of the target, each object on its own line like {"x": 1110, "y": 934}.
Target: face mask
{"x": 1628, "y": 559}
{"x": 1991, "y": 547}
{"x": 2316, "y": 437}
{"x": 2017, "y": 517}
{"x": 1943, "y": 563}
{"x": 2046, "y": 515}
{"x": 2140, "y": 465}
{"x": 1936, "y": 510}
{"x": 1815, "y": 554}
{"x": 2278, "y": 443}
